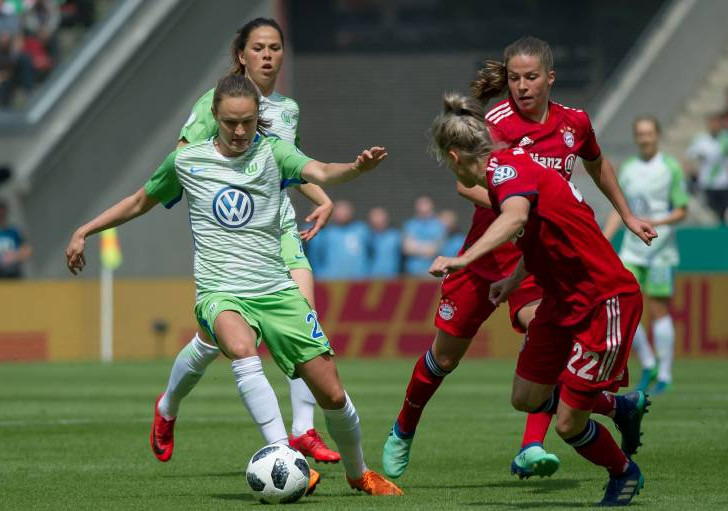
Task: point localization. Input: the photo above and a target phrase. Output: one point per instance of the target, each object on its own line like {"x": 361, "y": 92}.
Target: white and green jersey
{"x": 234, "y": 209}
{"x": 711, "y": 153}
{"x": 283, "y": 113}
{"x": 653, "y": 188}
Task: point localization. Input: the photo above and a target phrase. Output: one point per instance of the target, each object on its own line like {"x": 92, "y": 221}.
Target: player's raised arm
{"x": 334, "y": 173}
{"x": 319, "y": 216}
{"x": 603, "y": 174}
{"x": 478, "y": 195}
{"x": 500, "y": 289}
{"x": 514, "y": 215}
{"x": 118, "y": 214}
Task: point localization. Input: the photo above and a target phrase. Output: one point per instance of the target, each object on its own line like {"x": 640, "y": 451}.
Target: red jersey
{"x": 561, "y": 242}
{"x": 566, "y": 134}
{"x": 499, "y": 263}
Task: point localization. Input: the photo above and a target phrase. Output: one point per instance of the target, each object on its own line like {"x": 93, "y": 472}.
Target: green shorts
{"x": 283, "y": 320}
{"x": 292, "y": 250}
{"x": 657, "y": 280}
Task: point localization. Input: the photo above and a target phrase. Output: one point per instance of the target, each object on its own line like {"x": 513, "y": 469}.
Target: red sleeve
{"x": 515, "y": 174}
{"x": 589, "y": 149}
{"x": 496, "y": 134}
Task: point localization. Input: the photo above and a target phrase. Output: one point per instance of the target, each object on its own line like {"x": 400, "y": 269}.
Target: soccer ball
{"x": 278, "y": 474}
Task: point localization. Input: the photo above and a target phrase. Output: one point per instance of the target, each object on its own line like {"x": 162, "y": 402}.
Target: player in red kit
{"x": 554, "y": 135}
{"x": 582, "y": 332}
{"x": 557, "y": 135}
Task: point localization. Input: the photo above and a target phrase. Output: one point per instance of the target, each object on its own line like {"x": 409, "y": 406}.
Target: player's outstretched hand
{"x": 370, "y": 159}
{"x": 500, "y": 290}
{"x": 320, "y": 217}
{"x": 444, "y": 265}
{"x": 641, "y": 228}
{"x": 75, "y": 260}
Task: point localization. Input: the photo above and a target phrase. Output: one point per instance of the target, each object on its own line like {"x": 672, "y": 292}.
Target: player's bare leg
{"x": 304, "y": 436}
{"x": 533, "y": 459}
{"x": 343, "y": 425}
{"x": 594, "y": 442}
{"x": 540, "y": 401}
{"x": 431, "y": 368}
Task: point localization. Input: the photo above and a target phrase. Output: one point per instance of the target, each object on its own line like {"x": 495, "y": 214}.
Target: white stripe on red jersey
{"x": 495, "y": 111}
{"x": 505, "y": 114}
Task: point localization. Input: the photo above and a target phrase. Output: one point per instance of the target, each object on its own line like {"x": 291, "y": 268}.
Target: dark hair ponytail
{"x": 491, "y": 81}
{"x": 242, "y": 36}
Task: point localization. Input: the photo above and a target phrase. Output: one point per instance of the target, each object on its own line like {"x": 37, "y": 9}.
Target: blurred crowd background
{"x": 119, "y": 76}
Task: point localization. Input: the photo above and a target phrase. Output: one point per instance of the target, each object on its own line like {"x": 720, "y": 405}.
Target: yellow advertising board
{"x": 59, "y": 320}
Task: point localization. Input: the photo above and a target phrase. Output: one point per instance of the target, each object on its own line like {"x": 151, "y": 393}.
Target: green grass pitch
{"x": 75, "y": 436}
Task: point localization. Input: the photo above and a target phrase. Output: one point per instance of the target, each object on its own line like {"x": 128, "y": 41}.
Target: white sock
{"x": 302, "y": 404}
{"x": 664, "y": 333}
{"x": 343, "y": 426}
{"x": 260, "y": 400}
{"x": 188, "y": 368}
{"x": 642, "y": 347}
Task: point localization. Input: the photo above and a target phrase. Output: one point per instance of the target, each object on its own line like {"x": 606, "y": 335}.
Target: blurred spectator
{"x": 339, "y": 251}
{"x": 14, "y": 250}
{"x": 708, "y": 157}
{"x": 423, "y": 237}
{"x": 455, "y": 239}
{"x": 41, "y": 20}
{"x": 385, "y": 246}
{"x": 16, "y": 66}
{"x": 78, "y": 12}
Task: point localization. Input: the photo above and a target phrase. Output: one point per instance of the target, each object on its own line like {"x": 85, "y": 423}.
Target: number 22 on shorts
{"x": 588, "y": 358}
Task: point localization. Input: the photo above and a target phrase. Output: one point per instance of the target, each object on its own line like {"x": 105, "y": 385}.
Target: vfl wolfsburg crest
{"x": 288, "y": 116}
{"x": 252, "y": 169}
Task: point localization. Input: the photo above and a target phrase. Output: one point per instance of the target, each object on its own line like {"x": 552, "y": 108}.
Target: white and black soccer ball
{"x": 278, "y": 474}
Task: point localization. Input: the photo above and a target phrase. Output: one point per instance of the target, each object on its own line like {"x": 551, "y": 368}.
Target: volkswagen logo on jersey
{"x": 233, "y": 207}
{"x": 503, "y": 173}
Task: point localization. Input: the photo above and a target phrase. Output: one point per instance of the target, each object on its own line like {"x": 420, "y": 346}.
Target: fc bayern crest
{"x": 446, "y": 310}
{"x": 568, "y": 138}
{"x": 233, "y": 207}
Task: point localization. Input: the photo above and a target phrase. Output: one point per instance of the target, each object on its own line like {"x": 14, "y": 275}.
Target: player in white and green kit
{"x": 655, "y": 187}
{"x": 257, "y": 52}
{"x": 244, "y": 291}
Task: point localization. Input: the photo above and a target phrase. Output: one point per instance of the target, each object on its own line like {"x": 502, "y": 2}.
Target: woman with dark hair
{"x": 554, "y": 135}
{"x": 244, "y": 290}
{"x": 257, "y": 52}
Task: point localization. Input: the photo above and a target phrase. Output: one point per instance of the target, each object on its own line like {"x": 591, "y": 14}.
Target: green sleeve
{"x": 290, "y": 161}
{"x": 164, "y": 185}
{"x": 201, "y": 124}
{"x": 679, "y": 197}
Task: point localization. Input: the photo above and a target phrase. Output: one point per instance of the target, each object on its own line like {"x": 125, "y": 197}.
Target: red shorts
{"x": 526, "y": 293}
{"x": 464, "y": 303}
{"x": 588, "y": 357}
